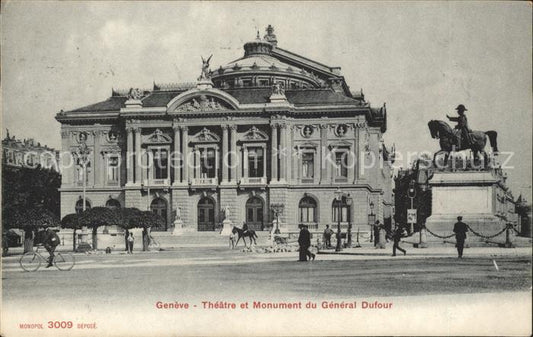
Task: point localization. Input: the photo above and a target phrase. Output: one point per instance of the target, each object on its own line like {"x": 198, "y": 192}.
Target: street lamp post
{"x": 371, "y": 218}
{"x": 338, "y": 198}
{"x": 422, "y": 230}
{"x": 277, "y": 208}
{"x": 349, "y": 231}
{"x": 83, "y": 153}
{"x": 411, "y": 193}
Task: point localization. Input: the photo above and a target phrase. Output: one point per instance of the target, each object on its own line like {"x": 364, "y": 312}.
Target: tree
{"x": 26, "y": 188}
{"x": 134, "y": 218}
{"x": 71, "y": 221}
{"x": 149, "y": 219}
{"x": 128, "y": 218}
{"x": 30, "y": 198}
{"x": 30, "y": 220}
{"x": 99, "y": 216}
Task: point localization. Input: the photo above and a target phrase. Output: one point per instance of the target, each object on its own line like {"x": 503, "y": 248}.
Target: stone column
{"x": 177, "y": 155}
{"x": 129, "y": 156}
{"x": 234, "y": 154}
{"x": 196, "y": 164}
{"x": 137, "y": 131}
{"x": 185, "y": 151}
{"x": 264, "y": 162}
{"x": 283, "y": 152}
{"x": 351, "y": 164}
{"x": 99, "y": 167}
{"x": 239, "y": 163}
{"x": 324, "y": 163}
{"x": 225, "y": 159}
{"x": 297, "y": 167}
{"x": 289, "y": 153}
{"x": 217, "y": 165}
{"x": 274, "y": 160}
{"x": 245, "y": 161}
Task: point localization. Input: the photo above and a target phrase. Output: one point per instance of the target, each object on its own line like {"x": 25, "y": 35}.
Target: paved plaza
{"x": 104, "y": 289}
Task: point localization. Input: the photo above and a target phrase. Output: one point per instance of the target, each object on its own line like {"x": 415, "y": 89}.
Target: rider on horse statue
{"x": 462, "y": 126}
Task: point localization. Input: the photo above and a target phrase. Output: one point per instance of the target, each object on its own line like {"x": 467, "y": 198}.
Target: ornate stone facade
{"x": 272, "y": 127}
{"x": 28, "y": 153}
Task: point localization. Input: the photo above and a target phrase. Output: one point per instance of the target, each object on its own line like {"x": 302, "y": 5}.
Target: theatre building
{"x": 271, "y": 128}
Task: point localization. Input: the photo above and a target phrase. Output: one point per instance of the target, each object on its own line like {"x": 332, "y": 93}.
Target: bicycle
{"x": 31, "y": 261}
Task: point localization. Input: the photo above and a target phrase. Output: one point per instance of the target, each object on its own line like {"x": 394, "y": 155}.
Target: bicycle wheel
{"x": 64, "y": 261}
{"x": 30, "y": 261}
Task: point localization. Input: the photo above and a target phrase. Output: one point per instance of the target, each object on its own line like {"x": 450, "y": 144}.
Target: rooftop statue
{"x": 461, "y": 138}
{"x": 205, "y": 69}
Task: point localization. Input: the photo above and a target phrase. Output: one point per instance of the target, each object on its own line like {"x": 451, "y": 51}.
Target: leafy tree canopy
{"x": 32, "y": 219}
{"x": 28, "y": 188}
{"x": 71, "y": 221}
{"x": 99, "y": 216}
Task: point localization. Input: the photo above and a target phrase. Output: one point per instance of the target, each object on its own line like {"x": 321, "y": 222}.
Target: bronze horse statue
{"x": 450, "y": 140}
{"x": 241, "y": 234}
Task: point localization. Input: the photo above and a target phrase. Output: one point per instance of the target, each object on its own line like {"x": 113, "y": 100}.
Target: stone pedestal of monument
{"x": 470, "y": 194}
{"x": 227, "y": 227}
{"x": 178, "y": 227}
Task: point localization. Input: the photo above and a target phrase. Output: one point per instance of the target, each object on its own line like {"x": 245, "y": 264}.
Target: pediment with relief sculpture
{"x": 203, "y": 103}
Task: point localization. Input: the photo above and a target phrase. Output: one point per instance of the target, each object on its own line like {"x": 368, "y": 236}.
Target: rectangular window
{"x": 207, "y": 163}
{"x": 308, "y": 164}
{"x": 250, "y": 215}
{"x": 255, "y": 162}
{"x": 112, "y": 170}
{"x": 80, "y": 174}
{"x": 160, "y": 164}
{"x": 341, "y": 163}
{"x": 345, "y": 213}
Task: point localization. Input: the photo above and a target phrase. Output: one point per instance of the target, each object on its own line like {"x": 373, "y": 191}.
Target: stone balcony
{"x": 253, "y": 182}
{"x": 211, "y": 183}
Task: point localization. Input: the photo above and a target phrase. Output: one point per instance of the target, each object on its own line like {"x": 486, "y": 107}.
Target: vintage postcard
{"x": 266, "y": 168}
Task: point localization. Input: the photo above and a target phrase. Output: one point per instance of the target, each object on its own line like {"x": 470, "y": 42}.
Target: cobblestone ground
{"x": 133, "y": 284}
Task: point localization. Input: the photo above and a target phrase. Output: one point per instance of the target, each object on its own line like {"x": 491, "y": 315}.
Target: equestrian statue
{"x": 461, "y": 137}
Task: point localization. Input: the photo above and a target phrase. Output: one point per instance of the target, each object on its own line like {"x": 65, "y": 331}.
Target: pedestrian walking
{"x": 460, "y": 229}
{"x": 131, "y": 241}
{"x": 304, "y": 240}
{"x": 377, "y": 229}
{"x": 328, "y": 232}
{"x": 397, "y": 235}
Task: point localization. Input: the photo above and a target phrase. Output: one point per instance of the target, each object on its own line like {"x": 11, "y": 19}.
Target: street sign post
{"x": 411, "y": 216}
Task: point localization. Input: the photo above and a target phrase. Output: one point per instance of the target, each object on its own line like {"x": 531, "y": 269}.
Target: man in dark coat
{"x": 328, "y": 232}
{"x": 397, "y": 235}
{"x": 460, "y": 230}
{"x": 304, "y": 240}
{"x": 50, "y": 242}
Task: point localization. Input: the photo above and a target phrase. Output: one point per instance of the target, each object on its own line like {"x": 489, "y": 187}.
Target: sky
{"x": 421, "y": 58}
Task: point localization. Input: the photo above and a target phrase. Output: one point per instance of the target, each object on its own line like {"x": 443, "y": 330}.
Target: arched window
{"x": 307, "y": 207}
{"x": 79, "y": 205}
{"x": 112, "y": 204}
{"x": 159, "y": 207}
{"x": 344, "y": 210}
{"x": 206, "y": 215}
{"x": 254, "y": 213}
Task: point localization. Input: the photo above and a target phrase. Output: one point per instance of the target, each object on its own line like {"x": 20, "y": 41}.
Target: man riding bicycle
{"x": 50, "y": 242}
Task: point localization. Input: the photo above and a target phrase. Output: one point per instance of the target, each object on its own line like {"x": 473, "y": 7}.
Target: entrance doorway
{"x": 206, "y": 215}
{"x": 159, "y": 207}
{"x": 254, "y": 214}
